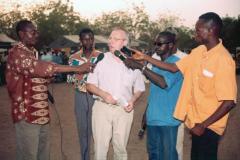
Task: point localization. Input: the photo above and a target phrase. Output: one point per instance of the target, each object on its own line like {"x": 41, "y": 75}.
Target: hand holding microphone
{"x": 135, "y": 54}
{"x": 129, "y": 62}
{"x": 89, "y": 66}
{"x": 128, "y": 53}
{"x": 85, "y": 68}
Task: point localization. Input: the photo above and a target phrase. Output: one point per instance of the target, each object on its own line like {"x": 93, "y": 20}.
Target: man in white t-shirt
{"x": 117, "y": 88}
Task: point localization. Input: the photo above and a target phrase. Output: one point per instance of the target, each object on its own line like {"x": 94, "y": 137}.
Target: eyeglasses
{"x": 159, "y": 44}
{"x": 116, "y": 39}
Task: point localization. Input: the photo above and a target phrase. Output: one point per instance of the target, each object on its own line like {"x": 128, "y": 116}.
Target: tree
{"x": 8, "y": 21}
{"x": 163, "y": 22}
{"x": 231, "y": 32}
{"x": 185, "y": 39}
{"x": 136, "y": 21}
{"x": 55, "y": 19}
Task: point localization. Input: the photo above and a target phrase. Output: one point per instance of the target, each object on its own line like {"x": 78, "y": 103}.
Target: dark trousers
{"x": 83, "y": 110}
{"x": 205, "y": 147}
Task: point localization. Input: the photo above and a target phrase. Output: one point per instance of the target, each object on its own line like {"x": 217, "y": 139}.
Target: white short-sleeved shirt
{"x": 111, "y": 75}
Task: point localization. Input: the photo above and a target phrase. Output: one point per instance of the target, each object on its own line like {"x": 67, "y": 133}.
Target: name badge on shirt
{"x": 207, "y": 73}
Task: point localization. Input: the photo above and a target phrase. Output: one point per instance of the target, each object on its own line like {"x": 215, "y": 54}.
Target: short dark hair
{"x": 85, "y": 31}
{"x": 215, "y": 20}
{"x": 21, "y": 25}
{"x": 170, "y": 36}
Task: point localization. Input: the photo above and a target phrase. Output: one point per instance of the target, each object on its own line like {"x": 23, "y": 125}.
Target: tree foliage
{"x": 53, "y": 19}
{"x": 8, "y": 22}
{"x": 56, "y": 18}
{"x": 231, "y": 32}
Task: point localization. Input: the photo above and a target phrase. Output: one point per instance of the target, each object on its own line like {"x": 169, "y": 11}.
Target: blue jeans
{"x": 161, "y": 142}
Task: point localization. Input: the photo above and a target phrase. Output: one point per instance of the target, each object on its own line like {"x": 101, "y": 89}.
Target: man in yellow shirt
{"x": 209, "y": 88}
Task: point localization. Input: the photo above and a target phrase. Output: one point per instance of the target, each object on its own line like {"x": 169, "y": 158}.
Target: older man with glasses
{"x": 117, "y": 88}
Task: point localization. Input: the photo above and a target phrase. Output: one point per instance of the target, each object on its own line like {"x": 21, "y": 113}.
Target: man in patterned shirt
{"x": 83, "y": 100}
{"x": 26, "y": 78}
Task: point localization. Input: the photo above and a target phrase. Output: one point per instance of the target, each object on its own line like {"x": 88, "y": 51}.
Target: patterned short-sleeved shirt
{"x": 77, "y": 59}
{"x": 27, "y": 85}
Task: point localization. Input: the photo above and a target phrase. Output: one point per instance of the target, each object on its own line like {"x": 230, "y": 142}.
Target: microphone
{"x": 99, "y": 58}
{"x": 127, "y": 51}
{"x": 119, "y": 55}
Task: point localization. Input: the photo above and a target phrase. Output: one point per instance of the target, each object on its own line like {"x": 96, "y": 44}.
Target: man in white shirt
{"x": 118, "y": 88}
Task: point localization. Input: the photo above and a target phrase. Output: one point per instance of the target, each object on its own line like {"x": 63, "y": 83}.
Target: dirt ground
{"x": 229, "y": 148}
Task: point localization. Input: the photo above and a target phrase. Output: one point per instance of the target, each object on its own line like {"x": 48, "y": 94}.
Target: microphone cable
{"x": 63, "y": 157}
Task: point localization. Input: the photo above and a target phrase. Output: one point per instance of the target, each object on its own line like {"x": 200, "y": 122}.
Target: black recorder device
{"x": 127, "y": 51}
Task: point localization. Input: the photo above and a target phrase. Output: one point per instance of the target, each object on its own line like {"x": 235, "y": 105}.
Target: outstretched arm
{"x": 172, "y": 67}
{"x": 152, "y": 76}
{"x": 163, "y": 65}
{"x": 84, "y": 68}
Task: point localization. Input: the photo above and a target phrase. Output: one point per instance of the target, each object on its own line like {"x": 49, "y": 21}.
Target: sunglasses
{"x": 160, "y": 43}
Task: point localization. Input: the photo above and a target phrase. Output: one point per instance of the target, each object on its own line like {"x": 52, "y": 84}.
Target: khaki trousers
{"x": 110, "y": 122}
{"x": 180, "y": 138}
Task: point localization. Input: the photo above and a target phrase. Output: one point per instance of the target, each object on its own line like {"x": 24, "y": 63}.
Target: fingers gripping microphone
{"x": 127, "y": 51}
{"x": 119, "y": 55}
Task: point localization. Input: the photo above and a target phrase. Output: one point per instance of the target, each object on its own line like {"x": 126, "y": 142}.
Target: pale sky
{"x": 189, "y": 10}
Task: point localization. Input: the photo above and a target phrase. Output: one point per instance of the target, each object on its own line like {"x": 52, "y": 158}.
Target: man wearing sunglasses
{"x": 162, "y": 128}
{"x": 166, "y": 49}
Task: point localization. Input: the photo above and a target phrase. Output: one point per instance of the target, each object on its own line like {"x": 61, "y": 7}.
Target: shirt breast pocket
{"x": 206, "y": 81}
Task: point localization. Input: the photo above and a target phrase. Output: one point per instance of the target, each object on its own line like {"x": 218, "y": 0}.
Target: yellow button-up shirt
{"x": 209, "y": 78}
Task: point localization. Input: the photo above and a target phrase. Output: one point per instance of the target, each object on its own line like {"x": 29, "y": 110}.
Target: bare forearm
{"x": 152, "y": 76}
{"x": 65, "y": 68}
{"x": 135, "y": 96}
{"x": 95, "y": 90}
{"x": 225, "y": 107}
{"x": 155, "y": 78}
{"x": 172, "y": 67}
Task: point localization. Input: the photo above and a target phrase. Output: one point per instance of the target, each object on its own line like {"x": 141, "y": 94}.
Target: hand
{"x": 79, "y": 76}
{"x": 131, "y": 63}
{"x": 138, "y": 55}
{"x": 86, "y": 67}
{"x": 198, "y": 129}
{"x": 108, "y": 98}
{"x": 141, "y": 133}
{"x": 129, "y": 107}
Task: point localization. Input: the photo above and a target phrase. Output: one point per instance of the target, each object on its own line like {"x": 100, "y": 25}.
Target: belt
{"x": 111, "y": 105}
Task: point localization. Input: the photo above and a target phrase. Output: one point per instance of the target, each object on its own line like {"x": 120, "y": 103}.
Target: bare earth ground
{"x": 229, "y": 148}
